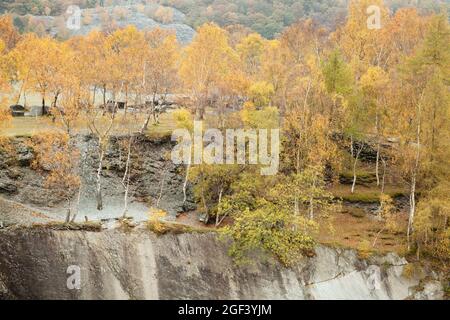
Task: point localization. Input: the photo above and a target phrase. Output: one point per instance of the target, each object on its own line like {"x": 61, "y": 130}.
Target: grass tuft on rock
{"x": 90, "y": 226}
{"x": 166, "y": 227}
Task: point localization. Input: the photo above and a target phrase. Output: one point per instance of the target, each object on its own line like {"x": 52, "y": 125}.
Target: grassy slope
{"x": 28, "y": 126}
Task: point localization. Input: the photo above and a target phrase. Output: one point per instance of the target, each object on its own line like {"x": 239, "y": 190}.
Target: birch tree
{"x": 426, "y": 76}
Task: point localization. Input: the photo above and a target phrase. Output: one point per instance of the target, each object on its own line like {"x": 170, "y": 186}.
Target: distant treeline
{"x": 267, "y": 17}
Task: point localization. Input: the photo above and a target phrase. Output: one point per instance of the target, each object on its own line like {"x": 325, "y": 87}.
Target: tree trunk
{"x": 377, "y": 124}
{"x": 99, "y": 181}
{"x": 161, "y": 190}
{"x": 355, "y": 162}
{"x": 78, "y": 204}
{"x": 125, "y": 198}
{"x": 297, "y": 169}
{"x": 104, "y": 96}
{"x": 20, "y": 92}
{"x": 200, "y": 107}
{"x": 188, "y": 166}
{"x": 311, "y": 202}
{"x": 94, "y": 95}
{"x": 145, "y": 125}
{"x": 67, "y": 216}
{"x": 383, "y": 179}
{"x": 205, "y": 206}
{"x": 377, "y": 163}
{"x": 412, "y": 195}
{"x": 311, "y": 208}
{"x": 54, "y": 103}
{"x": 377, "y": 236}
{"x": 354, "y": 176}
{"x": 412, "y": 209}
{"x": 218, "y": 206}
{"x": 55, "y": 100}
{"x": 126, "y": 177}
{"x": 69, "y": 212}
{"x": 351, "y": 146}
{"x": 126, "y": 100}
{"x": 43, "y": 105}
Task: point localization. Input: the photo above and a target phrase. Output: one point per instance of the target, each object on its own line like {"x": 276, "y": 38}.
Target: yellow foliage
{"x": 267, "y": 118}
{"x": 8, "y": 33}
{"x": 364, "y": 249}
{"x": 55, "y": 155}
{"x": 374, "y": 80}
{"x": 154, "y": 220}
{"x": 387, "y": 212}
{"x": 183, "y": 119}
{"x": 271, "y": 229}
{"x": 250, "y": 50}
{"x": 5, "y": 116}
{"x": 207, "y": 59}
{"x": 261, "y": 93}
{"x": 360, "y": 44}
{"x": 432, "y": 233}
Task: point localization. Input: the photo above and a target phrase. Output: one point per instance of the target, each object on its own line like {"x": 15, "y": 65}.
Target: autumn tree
{"x": 127, "y": 147}
{"x": 36, "y": 69}
{"x": 60, "y": 164}
{"x": 204, "y": 63}
{"x": 304, "y": 194}
{"x": 64, "y": 72}
{"x": 362, "y": 38}
{"x": 431, "y": 229}
{"x": 4, "y": 86}
{"x": 236, "y": 33}
{"x": 374, "y": 85}
{"x": 308, "y": 151}
{"x": 250, "y": 50}
{"x": 4, "y": 69}
{"x": 101, "y": 125}
{"x": 275, "y": 71}
{"x": 339, "y": 82}
{"x": 212, "y": 185}
{"x": 118, "y": 57}
{"x": 124, "y": 50}
{"x": 386, "y": 213}
{"x": 8, "y": 33}
{"x": 161, "y": 60}
{"x": 404, "y": 31}
{"x": 260, "y": 94}
{"x": 425, "y": 130}
{"x": 355, "y": 132}
{"x": 92, "y": 63}
{"x": 183, "y": 120}
{"x": 348, "y": 110}
{"x": 271, "y": 229}
{"x": 303, "y": 38}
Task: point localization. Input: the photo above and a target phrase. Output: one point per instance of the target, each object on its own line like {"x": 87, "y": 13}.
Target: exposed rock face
{"x": 142, "y": 265}
{"x": 18, "y": 181}
{"x": 155, "y": 180}
{"x": 133, "y": 15}
{"x": 432, "y": 290}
